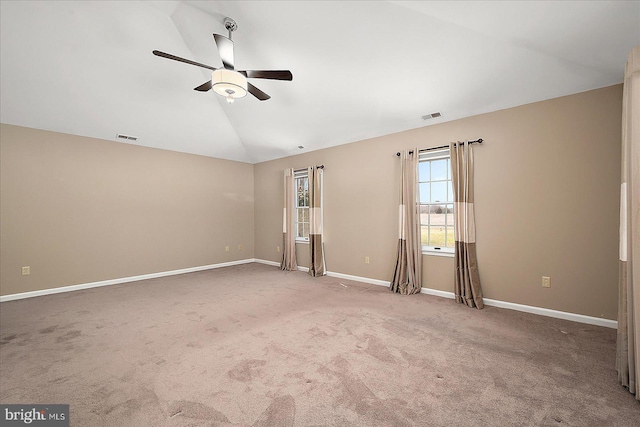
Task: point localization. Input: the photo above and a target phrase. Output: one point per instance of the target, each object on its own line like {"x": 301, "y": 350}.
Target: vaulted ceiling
{"x": 360, "y": 68}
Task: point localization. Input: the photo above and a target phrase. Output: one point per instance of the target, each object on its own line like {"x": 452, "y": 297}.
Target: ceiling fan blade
{"x": 186, "y": 61}
{"x": 225, "y": 47}
{"x": 268, "y": 74}
{"x": 204, "y": 86}
{"x": 257, "y": 92}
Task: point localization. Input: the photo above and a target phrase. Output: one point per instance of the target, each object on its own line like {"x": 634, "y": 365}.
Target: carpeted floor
{"x": 254, "y": 346}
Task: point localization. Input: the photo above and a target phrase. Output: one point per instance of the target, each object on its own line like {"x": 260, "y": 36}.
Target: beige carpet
{"x": 254, "y": 346}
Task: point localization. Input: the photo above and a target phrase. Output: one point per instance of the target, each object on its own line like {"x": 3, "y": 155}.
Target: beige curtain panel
{"x": 467, "y": 287}
{"x": 288, "y": 223}
{"x": 316, "y": 240}
{"x": 407, "y": 278}
{"x": 628, "y": 343}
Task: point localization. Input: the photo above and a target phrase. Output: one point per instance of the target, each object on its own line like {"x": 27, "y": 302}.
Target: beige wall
{"x": 547, "y": 194}
{"x": 79, "y": 210}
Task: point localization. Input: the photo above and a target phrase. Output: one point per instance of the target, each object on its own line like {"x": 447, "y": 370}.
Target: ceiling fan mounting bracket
{"x": 230, "y": 25}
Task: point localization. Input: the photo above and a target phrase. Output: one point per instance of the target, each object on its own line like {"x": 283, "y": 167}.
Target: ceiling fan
{"x": 228, "y": 81}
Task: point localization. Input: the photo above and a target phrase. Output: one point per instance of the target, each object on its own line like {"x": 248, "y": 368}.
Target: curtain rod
{"x": 479, "y": 141}
{"x": 304, "y": 169}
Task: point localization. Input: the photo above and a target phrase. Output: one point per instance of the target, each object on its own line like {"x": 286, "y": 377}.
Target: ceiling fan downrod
{"x": 230, "y": 25}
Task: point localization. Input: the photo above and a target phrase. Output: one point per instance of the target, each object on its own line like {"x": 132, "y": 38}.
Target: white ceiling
{"x": 360, "y": 69}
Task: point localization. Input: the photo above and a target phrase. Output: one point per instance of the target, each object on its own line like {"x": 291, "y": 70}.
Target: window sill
{"x": 432, "y": 252}
{"x": 303, "y": 241}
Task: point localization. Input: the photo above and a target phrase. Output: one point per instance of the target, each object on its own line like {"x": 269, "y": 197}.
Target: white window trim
{"x": 299, "y": 174}
{"x": 445, "y": 252}
{"x": 445, "y": 153}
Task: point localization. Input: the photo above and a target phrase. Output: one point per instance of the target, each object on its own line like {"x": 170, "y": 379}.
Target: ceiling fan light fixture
{"x": 229, "y": 83}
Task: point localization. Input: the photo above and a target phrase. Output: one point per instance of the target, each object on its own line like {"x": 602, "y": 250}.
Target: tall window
{"x": 436, "y": 201}
{"x": 302, "y": 205}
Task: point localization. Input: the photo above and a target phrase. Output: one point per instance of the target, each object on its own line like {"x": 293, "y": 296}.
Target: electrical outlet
{"x": 366, "y": 260}
{"x": 226, "y": 248}
{"x": 26, "y": 270}
{"x": 546, "y": 282}
{"x": 277, "y": 248}
{"x": 239, "y": 247}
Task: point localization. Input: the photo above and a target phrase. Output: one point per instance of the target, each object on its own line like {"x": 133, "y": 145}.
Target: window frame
{"x": 430, "y": 156}
{"x": 298, "y": 175}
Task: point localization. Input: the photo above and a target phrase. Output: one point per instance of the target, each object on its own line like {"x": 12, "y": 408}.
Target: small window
{"x": 302, "y": 205}
{"x": 436, "y": 201}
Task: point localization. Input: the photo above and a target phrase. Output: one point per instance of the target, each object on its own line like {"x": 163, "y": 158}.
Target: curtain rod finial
{"x": 399, "y": 153}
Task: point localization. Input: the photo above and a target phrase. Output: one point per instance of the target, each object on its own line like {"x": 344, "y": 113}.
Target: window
{"x": 302, "y": 205}
{"x": 436, "y": 201}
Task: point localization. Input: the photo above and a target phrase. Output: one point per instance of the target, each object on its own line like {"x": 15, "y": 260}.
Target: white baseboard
{"x": 581, "y": 318}
{"x": 264, "y": 261}
{"x": 277, "y": 264}
{"x": 444, "y": 294}
{"x": 492, "y": 302}
{"x": 332, "y": 274}
{"x": 438, "y": 293}
{"x": 358, "y": 278}
{"x": 72, "y": 288}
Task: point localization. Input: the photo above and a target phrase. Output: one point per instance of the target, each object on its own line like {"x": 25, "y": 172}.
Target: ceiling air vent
{"x": 127, "y": 137}
{"x": 432, "y": 116}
